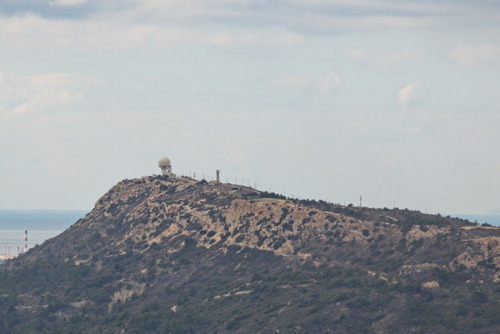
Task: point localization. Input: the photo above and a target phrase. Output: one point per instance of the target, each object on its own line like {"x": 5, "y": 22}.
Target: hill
{"x": 174, "y": 255}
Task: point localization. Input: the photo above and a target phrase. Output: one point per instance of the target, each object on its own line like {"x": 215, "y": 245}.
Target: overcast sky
{"x": 397, "y": 101}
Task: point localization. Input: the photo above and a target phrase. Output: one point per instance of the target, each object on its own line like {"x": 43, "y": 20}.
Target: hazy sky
{"x": 397, "y": 101}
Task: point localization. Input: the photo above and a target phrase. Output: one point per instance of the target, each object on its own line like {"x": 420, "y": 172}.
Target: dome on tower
{"x": 164, "y": 162}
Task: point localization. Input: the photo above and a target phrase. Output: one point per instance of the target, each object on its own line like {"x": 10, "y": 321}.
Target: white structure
{"x": 25, "y": 241}
{"x": 166, "y": 167}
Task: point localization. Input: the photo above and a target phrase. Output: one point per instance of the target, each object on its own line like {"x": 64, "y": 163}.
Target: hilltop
{"x": 176, "y": 255}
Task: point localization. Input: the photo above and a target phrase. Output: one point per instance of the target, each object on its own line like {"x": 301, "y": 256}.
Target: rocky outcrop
{"x": 150, "y": 241}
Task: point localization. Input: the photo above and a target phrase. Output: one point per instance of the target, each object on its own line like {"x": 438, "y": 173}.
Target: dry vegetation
{"x": 175, "y": 255}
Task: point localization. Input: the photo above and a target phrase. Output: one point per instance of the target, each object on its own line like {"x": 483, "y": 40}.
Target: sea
{"x": 493, "y": 220}
{"x": 40, "y": 224}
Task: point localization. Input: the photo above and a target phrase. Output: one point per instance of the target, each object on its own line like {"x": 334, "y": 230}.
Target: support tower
{"x": 165, "y": 166}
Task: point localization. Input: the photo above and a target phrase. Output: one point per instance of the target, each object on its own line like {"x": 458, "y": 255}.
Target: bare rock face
{"x": 190, "y": 256}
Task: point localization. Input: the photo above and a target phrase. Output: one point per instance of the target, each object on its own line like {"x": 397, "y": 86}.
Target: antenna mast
{"x": 25, "y": 241}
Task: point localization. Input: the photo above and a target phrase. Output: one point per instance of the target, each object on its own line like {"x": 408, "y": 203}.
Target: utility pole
{"x": 25, "y": 241}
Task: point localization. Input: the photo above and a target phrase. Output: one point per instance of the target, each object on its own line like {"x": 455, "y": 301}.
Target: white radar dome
{"x": 164, "y": 162}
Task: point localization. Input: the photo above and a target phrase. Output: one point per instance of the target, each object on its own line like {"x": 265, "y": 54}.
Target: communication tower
{"x": 217, "y": 173}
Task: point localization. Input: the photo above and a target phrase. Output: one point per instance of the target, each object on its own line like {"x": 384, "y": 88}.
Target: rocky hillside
{"x": 174, "y": 255}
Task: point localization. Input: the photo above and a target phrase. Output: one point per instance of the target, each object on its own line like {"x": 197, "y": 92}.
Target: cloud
{"x": 159, "y": 23}
{"x": 326, "y": 83}
{"x": 408, "y": 93}
{"x": 329, "y": 82}
{"x": 26, "y": 94}
{"x": 228, "y": 38}
{"x": 63, "y": 9}
{"x": 299, "y": 16}
{"x": 291, "y": 81}
{"x": 476, "y": 54}
{"x": 67, "y": 2}
{"x": 384, "y": 59}
{"x": 30, "y": 30}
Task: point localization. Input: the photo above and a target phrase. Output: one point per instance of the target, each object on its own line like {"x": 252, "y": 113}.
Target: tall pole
{"x": 25, "y": 240}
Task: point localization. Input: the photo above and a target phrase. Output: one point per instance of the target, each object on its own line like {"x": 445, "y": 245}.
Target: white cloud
{"x": 329, "y": 82}
{"x": 321, "y": 16}
{"x": 36, "y": 31}
{"x": 30, "y": 31}
{"x": 292, "y": 81}
{"x": 24, "y": 94}
{"x": 408, "y": 93}
{"x": 481, "y": 54}
{"x": 384, "y": 59}
{"x": 229, "y": 38}
{"x": 64, "y": 3}
{"x": 303, "y": 16}
{"x": 326, "y": 83}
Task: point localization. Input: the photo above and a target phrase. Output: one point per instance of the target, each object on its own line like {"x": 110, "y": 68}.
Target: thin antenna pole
{"x": 25, "y": 240}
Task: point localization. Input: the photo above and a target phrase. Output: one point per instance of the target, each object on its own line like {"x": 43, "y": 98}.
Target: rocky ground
{"x": 176, "y": 255}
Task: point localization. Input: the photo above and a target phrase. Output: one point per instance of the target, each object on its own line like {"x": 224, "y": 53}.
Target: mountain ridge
{"x": 149, "y": 241}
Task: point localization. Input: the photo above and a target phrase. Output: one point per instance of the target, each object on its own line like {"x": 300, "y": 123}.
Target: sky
{"x": 397, "y": 102}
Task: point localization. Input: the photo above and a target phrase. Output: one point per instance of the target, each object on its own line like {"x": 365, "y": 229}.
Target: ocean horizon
{"x": 480, "y": 218}
{"x": 40, "y": 224}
